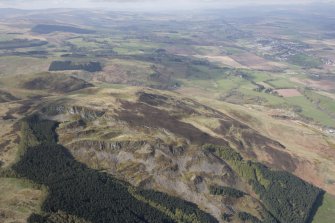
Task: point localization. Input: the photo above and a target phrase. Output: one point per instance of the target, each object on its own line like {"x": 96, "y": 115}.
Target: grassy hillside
{"x": 125, "y": 102}
{"x": 326, "y": 212}
{"x": 75, "y": 190}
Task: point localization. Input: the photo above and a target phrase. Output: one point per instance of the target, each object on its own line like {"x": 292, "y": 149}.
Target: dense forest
{"x": 246, "y": 217}
{"x": 187, "y": 211}
{"x": 77, "y": 193}
{"x": 82, "y": 192}
{"x": 225, "y": 191}
{"x": 69, "y": 65}
{"x": 286, "y": 197}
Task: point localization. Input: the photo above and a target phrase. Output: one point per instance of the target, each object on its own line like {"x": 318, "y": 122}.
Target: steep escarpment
{"x": 157, "y": 141}
{"x": 238, "y": 134}
{"x": 78, "y": 193}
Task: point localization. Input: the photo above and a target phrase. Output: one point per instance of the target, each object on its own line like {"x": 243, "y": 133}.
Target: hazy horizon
{"x": 150, "y": 5}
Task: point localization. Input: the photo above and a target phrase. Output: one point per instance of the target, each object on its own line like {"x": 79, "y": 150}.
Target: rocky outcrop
{"x": 85, "y": 113}
{"x": 146, "y": 143}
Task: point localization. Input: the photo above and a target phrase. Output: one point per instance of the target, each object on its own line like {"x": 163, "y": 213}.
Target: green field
{"x": 323, "y": 102}
{"x": 282, "y": 83}
{"x": 326, "y": 213}
{"x": 310, "y": 111}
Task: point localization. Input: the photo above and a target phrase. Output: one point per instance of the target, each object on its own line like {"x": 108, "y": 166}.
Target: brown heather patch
{"x": 143, "y": 115}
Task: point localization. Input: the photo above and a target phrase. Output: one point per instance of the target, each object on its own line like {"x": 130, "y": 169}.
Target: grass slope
{"x": 326, "y": 212}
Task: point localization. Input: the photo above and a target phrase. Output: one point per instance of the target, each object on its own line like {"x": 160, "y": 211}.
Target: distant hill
{"x": 56, "y": 83}
{"x": 11, "y": 11}
{"x": 46, "y": 29}
{"x": 69, "y": 65}
{"x": 21, "y": 43}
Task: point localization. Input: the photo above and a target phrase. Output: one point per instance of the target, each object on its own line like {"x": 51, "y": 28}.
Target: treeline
{"x": 58, "y": 217}
{"x": 36, "y": 131}
{"x": 77, "y": 193}
{"x": 225, "y": 191}
{"x": 286, "y": 197}
{"x": 69, "y": 65}
{"x": 246, "y": 217}
{"x": 21, "y": 43}
{"x": 184, "y": 211}
{"x": 80, "y": 191}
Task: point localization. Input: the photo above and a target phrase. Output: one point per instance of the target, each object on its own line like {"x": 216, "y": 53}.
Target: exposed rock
{"x": 146, "y": 144}
{"x": 196, "y": 179}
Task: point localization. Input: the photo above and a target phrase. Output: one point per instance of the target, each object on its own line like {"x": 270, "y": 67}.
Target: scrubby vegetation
{"x": 285, "y": 196}
{"x": 226, "y": 191}
{"x": 77, "y": 192}
{"x": 226, "y": 217}
{"x": 69, "y": 65}
{"x": 6, "y": 97}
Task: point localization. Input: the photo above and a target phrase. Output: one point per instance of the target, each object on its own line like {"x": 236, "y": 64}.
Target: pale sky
{"x": 145, "y": 4}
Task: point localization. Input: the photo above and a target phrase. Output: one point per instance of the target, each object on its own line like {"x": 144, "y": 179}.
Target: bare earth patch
{"x": 255, "y": 62}
{"x": 225, "y": 60}
{"x": 288, "y": 92}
